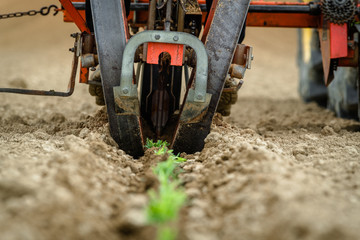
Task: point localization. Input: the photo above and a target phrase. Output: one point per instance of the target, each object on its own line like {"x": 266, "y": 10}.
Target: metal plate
{"x": 220, "y": 45}
{"x": 111, "y": 33}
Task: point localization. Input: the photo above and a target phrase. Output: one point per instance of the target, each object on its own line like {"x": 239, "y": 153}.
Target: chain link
{"x": 43, "y": 11}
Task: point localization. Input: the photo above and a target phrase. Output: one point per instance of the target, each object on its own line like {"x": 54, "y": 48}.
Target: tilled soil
{"x": 276, "y": 169}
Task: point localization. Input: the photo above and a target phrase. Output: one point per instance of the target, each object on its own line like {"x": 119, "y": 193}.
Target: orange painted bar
{"x": 290, "y": 20}
{"x": 75, "y": 15}
{"x": 338, "y": 40}
{"x": 155, "y": 49}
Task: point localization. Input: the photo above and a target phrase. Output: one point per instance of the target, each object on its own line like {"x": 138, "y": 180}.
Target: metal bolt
{"x": 351, "y": 45}
{"x": 157, "y": 37}
{"x": 72, "y": 49}
{"x": 199, "y": 97}
{"x": 176, "y": 38}
{"x": 73, "y": 35}
{"x": 125, "y": 91}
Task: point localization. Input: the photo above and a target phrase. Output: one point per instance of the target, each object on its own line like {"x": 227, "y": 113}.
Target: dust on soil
{"x": 275, "y": 169}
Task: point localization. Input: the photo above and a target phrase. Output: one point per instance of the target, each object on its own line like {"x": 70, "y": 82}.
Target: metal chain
{"x": 43, "y": 11}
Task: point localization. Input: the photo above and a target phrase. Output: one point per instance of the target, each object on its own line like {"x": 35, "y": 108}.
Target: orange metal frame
{"x": 78, "y": 17}
{"x": 336, "y": 45}
{"x": 287, "y": 20}
{"x": 291, "y": 20}
{"x": 68, "y": 17}
{"x": 155, "y": 49}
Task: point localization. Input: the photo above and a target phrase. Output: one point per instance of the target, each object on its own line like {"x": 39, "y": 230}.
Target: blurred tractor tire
{"x": 342, "y": 92}
{"x": 341, "y": 95}
{"x": 226, "y": 100}
{"x": 97, "y": 90}
{"x": 311, "y": 77}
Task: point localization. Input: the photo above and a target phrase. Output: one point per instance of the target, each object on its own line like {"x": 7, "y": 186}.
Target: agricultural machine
{"x": 164, "y": 67}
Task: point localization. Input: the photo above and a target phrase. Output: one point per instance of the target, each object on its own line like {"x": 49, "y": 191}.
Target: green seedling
{"x": 168, "y": 170}
{"x": 150, "y": 143}
{"x": 177, "y": 158}
{"x": 165, "y": 204}
{"x": 162, "y": 150}
{"x": 165, "y": 170}
{"x": 166, "y": 233}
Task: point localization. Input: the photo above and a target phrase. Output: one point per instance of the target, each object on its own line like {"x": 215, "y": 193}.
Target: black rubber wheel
{"x": 311, "y": 76}
{"x": 97, "y": 90}
{"x": 343, "y": 95}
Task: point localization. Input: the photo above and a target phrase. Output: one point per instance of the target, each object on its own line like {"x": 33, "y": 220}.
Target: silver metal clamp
{"x": 128, "y": 89}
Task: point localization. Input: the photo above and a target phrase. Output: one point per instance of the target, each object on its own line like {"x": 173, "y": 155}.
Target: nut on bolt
{"x": 157, "y": 37}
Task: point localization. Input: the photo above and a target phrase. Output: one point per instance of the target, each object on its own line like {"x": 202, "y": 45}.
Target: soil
{"x": 275, "y": 169}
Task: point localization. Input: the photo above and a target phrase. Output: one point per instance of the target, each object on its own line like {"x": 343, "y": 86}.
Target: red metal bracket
{"x": 334, "y": 45}
{"x": 291, "y": 20}
{"x": 338, "y": 41}
{"x": 176, "y": 52}
{"x": 81, "y": 24}
{"x": 75, "y": 15}
{"x": 209, "y": 20}
{"x": 84, "y": 75}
